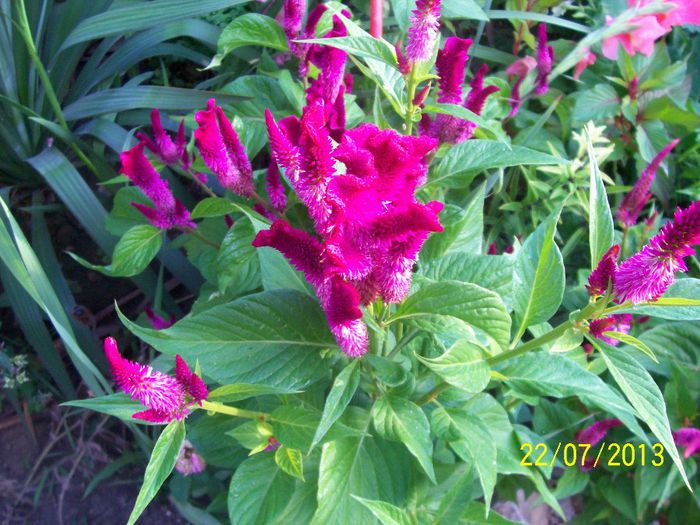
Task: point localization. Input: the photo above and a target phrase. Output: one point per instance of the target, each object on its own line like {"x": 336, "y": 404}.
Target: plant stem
{"x": 212, "y": 406}
{"x": 269, "y": 208}
{"x": 411, "y": 88}
{"x": 199, "y": 236}
{"x": 26, "y": 32}
{"x": 403, "y": 341}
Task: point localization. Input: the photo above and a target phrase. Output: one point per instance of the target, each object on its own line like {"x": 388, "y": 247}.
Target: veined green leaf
{"x": 291, "y": 461}
{"x": 159, "y": 467}
{"x": 462, "y": 366}
{"x": 386, "y": 513}
{"x": 118, "y": 405}
{"x": 360, "y": 46}
{"x": 601, "y": 229}
{"x": 344, "y": 386}
{"x": 632, "y": 341}
{"x": 250, "y": 29}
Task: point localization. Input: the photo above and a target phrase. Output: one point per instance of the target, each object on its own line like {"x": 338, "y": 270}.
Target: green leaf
{"x": 598, "y": 103}
{"x": 128, "y": 18}
{"x": 462, "y": 366}
{"x": 468, "y": 303}
{"x": 271, "y": 338}
{"x": 463, "y": 160}
{"x": 250, "y": 29}
{"x": 344, "y": 386}
{"x": 236, "y": 250}
{"x": 366, "y": 47}
{"x": 538, "y": 280}
{"x": 386, "y": 513}
{"x": 132, "y": 254}
{"x": 463, "y": 10}
{"x": 118, "y": 405}
{"x": 241, "y": 391}
{"x": 493, "y": 272}
{"x": 143, "y": 97}
{"x": 545, "y": 374}
{"x": 632, "y": 341}
{"x": 159, "y": 467}
{"x": 537, "y": 17}
{"x": 214, "y": 207}
{"x": 259, "y": 491}
{"x": 291, "y": 461}
{"x": 601, "y": 230}
{"x": 363, "y": 466}
{"x": 465, "y": 114}
{"x": 477, "y": 514}
{"x": 643, "y": 394}
{"x": 398, "y": 419}
{"x": 471, "y": 440}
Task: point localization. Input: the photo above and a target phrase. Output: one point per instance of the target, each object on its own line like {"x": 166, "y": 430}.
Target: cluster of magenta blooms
{"x": 359, "y": 188}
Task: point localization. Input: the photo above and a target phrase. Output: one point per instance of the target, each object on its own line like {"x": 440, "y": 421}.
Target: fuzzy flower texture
{"x": 360, "y": 196}
{"x": 167, "y": 398}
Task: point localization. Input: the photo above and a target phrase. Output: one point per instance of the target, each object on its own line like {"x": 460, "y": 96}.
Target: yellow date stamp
{"x": 587, "y": 457}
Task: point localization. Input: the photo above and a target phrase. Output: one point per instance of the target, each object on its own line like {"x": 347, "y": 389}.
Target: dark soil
{"x": 53, "y": 496}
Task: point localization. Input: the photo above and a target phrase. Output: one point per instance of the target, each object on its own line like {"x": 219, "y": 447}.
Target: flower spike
{"x": 545, "y": 61}
{"x": 604, "y": 272}
{"x": 168, "y": 398}
{"x": 422, "y": 34}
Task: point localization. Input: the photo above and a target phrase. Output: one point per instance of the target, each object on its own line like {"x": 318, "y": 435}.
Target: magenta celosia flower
{"x": 294, "y": 11}
{"x": 366, "y": 214}
{"x": 647, "y": 274}
{"x": 163, "y": 146}
{"x": 158, "y": 322}
{"x": 604, "y": 272}
{"x": 422, "y": 34}
{"x": 594, "y": 434}
{"x": 588, "y": 60}
{"x": 639, "y": 195}
{"x": 616, "y": 323}
{"x": 450, "y": 63}
{"x": 688, "y": 437}
{"x": 222, "y": 151}
{"x": 402, "y": 61}
{"x": 168, "y": 212}
{"x": 275, "y": 187}
{"x": 521, "y": 67}
{"x": 339, "y": 300}
{"x": 545, "y": 60}
{"x": 167, "y": 397}
{"x": 188, "y": 461}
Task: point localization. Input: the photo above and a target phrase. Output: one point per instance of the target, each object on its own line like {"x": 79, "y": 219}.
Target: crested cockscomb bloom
{"x": 639, "y": 195}
{"x": 163, "y": 146}
{"x": 648, "y": 273}
{"x": 594, "y": 434}
{"x": 222, "y": 151}
{"x": 688, "y": 437}
{"x": 422, "y": 34}
{"x": 168, "y": 212}
{"x": 188, "y": 461}
{"x": 620, "y": 323}
{"x": 366, "y": 214}
{"x": 158, "y": 322}
{"x": 604, "y": 272}
{"x": 294, "y": 11}
{"x": 167, "y": 397}
{"x": 275, "y": 187}
{"x": 588, "y": 60}
{"x": 545, "y": 61}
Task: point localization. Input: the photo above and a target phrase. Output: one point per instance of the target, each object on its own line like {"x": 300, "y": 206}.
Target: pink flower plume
{"x": 422, "y": 34}
{"x": 604, "y": 272}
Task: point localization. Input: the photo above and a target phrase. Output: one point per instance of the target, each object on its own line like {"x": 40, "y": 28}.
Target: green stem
{"x": 199, "y": 236}
{"x": 403, "y": 341}
{"x": 411, "y": 88}
{"x": 212, "y": 406}
{"x": 28, "y": 38}
{"x": 621, "y": 255}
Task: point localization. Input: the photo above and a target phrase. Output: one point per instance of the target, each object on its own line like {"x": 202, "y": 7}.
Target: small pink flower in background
{"x": 272, "y": 444}
{"x": 604, "y": 272}
{"x": 404, "y": 65}
{"x": 688, "y": 437}
{"x": 594, "y": 434}
{"x": 188, "y": 461}
{"x": 587, "y": 348}
{"x": 649, "y": 28}
{"x": 366, "y": 214}
{"x": 294, "y": 11}
{"x": 158, "y": 322}
{"x": 545, "y": 61}
{"x": 168, "y": 212}
{"x": 648, "y": 273}
{"x": 588, "y": 60}
{"x": 450, "y": 63}
{"x": 615, "y": 323}
{"x": 222, "y": 151}
{"x": 168, "y": 398}
{"x": 635, "y": 200}
{"x": 275, "y": 187}
{"x": 422, "y": 34}
{"x": 518, "y": 69}
{"x": 162, "y": 144}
